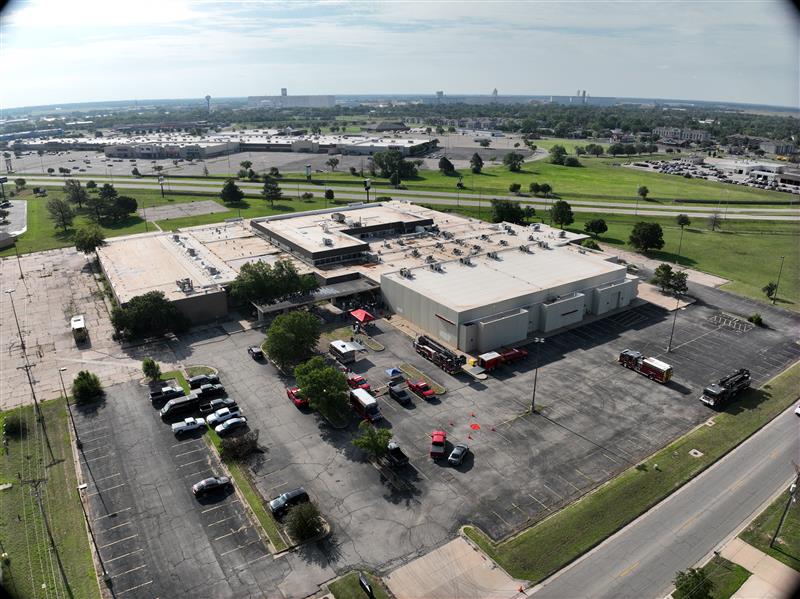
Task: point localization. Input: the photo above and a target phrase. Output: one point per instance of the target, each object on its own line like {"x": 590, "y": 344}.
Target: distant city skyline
{"x": 88, "y": 50}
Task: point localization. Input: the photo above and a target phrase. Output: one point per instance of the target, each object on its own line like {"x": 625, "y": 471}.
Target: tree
{"x": 292, "y": 337}
{"x": 683, "y": 220}
{"x": 476, "y": 163}
{"x": 91, "y": 185}
{"x": 557, "y": 154}
{"x": 148, "y": 315}
{"x": 679, "y": 284}
{"x": 662, "y": 276}
{"x": 515, "y": 188}
{"x": 513, "y": 161}
{"x": 246, "y": 165}
{"x": 642, "y": 192}
{"x": 271, "y": 191}
{"x": 274, "y": 172}
{"x": 74, "y": 193}
{"x": 646, "y": 236}
{"x": 266, "y": 283}
{"x": 561, "y": 213}
{"x": 60, "y": 212}
{"x": 580, "y": 150}
{"x": 51, "y": 170}
{"x": 546, "y": 189}
{"x": 108, "y": 192}
{"x": 88, "y": 238}
{"x": 692, "y": 584}
{"x": 242, "y": 174}
{"x": 238, "y": 447}
{"x": 324, "y": 386}
{"x": 594, "y": 149}
{"x": 135, "y": 172}
{"x": 20, "y": 183}
{"x": 97, "y": 205}
{"x": 596, "y": 227}
{"x": 230, "y": 192}
{"x": 590, "y": 244}
{"x": 121, "y": 208}
{"x": 572, "y": 161}
{"x": 87, "y": 387}
{"x": 373, "y": 441}
{"x": 393, "y": 161}
{"x": 535, "y": 188}
{"x": 770, "y": 289}
{"x": 304, "y": 522}
{"x": 484, "y": 143}
{"x": 508, "y": 211}
{"x": 151, "y": 369}
{"x": 446, "y": 166}
{"x": 714, "y": 220}
{"x": 333, "y": 163}
{"x": 205, "y": 171}
{"x": 329, "y": 195}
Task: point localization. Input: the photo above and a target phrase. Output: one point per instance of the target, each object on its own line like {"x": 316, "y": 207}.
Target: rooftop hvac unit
{"x": 439, "y": 245}
{"x": 325, "y": 228}
{"x": 400, "y": 242}
{"x": 415, "y": 253}
{"x": 562, "y": 234}
{"x": 493, "y": 255}
{"x": 484, "y": 237}
{"x": 503, "y": 242}
{"x": 465, "y": 260}
{"x": 327, "y": 241}
{"x": 536, "y": 226}
{"x": 176, "y": 237}
{"x": 525, "y": 248}
{"x": 191, "y": 251}
{"x": 429, "y": 259}
{"x": 457, "y": 251}
{"x": 438, "y": 267}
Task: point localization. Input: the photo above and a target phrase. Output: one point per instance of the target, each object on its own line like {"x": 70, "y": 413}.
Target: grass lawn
{"x": 745, "y": 252}
{"x": 599, "y": 178}
{"x": 347, "y": 587}
{"x": 556, "y": 541}
{"x": 24, "y": 537}
{"x": 787, "y": 545}
{"x": 726, "y": 576}
{"x": 177, "y": 375}
{"x": 198, "y": 370}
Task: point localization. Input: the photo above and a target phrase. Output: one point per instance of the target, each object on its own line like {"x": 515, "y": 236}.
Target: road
{"x": 641, "y": 560}
{"x": 730, "y": 211}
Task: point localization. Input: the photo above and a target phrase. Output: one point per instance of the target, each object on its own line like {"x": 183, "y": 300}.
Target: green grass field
{"x": 556, "y": 541}
{"x": 347, "y": 587}
{"x": 726, "y": 576}
{"x": 787, "y": 545}
{"x": 745, "y": 252}
{"x": 33, "y": 568}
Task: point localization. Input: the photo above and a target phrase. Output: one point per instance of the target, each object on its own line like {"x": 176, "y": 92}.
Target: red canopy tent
{"x": 362, "y": 316}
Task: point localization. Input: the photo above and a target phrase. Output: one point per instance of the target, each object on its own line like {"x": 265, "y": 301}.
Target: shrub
{"x": 240, "y": 446}
{"x": 14, "y": 426}
{"x": 307, "y": 196}
{"x": 151, "y": 369}
{"x": 87, "y": 387}
{"x": 304, "y": 521}
{"x": 383, "y": 199}
{"x": 591, "y": 244}
{"x": 756, "y": 319}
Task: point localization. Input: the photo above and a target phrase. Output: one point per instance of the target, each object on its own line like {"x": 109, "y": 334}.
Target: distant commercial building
{"x": 386, "y": 126}
{"x": 678, "y": 134}
{"x": 771, "y": 146}
{"x": 31, "y": 134}
{"x": 287, "y": 101}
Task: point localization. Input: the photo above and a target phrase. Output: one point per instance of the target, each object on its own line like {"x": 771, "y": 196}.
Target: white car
{"x": 230, "y": 425}
{"x": 188, "y": 425}
{"x": 222, "y": 415}
{"x": 797, "y": 410}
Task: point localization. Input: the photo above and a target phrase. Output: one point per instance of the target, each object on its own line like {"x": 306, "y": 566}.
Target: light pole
{"x": 538, "y": 341}
{"x": 367, "y": 186}
{"x": 674, "y": 319}
{"x": 680, "y": 245}
{"x": 161, "y": 183}
{"x": 106, "y": 577}
{"x": 19, "y": 264}
{"x": 27, "y": 366}
{"x": 775, "y": 295}
{"x": 789, "y": 500}
{"x": 14, "y": 310}
{"x": 78, "y": 442}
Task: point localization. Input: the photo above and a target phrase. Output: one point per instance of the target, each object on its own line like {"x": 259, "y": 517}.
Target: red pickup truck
{"x": 356, "y": 381}
{"x": 438, "y": 442}
{"x": 421, "y": 388}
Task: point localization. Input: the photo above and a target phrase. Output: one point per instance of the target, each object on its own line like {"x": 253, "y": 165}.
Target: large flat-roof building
{"x": 474, "y": 285}
{"x": 286, "y": 101}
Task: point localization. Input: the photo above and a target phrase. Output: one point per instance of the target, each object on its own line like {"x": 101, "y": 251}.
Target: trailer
{"x": 726, "y": 388}
{"x": 78, "y": 325}
{"x": 652, "y": 368}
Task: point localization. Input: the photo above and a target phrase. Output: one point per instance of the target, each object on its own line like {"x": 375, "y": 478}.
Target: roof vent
{"x": 327, "y": 241}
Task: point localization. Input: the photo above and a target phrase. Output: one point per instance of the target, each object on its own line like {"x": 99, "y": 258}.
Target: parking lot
{"x": 594, "y": 419}
{"x": 155, "y": 538}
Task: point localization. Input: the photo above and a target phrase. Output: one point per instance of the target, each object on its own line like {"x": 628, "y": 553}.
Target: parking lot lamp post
{"x": 14, "y": 310}
{"x": 789, "y": 501}
{"x": 78, "y": 442}
{"x": 106, "y": 577}
{"x": 19, "y": 264}
{"x": 674, "y": 319}
{"x": 780, "y": 270}
{"x": 538, "y": 341}
{"x": 367, "y": 186}
{"x": 161, "y": 183}
{"x": 680, "y": 245}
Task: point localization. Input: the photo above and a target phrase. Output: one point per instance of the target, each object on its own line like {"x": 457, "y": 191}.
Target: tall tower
{"x": 494, "y": 95}
{"x": 284, "y": 92}
{"x": 208, "y": 104}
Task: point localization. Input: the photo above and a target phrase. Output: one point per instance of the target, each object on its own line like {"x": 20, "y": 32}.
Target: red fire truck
{"x": 652, "y": 368}
{"x": 491, "y": 360}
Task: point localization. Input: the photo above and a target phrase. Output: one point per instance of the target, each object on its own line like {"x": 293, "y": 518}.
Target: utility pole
{"x": 674, "y": 319}
{"x": 680, "y": 245}
{"x": 789, "y": 501}
{"x": 538, "y": 341}
{"x": 367, "y": 186}
{"x": 106, "y": 577}
{"x": 775, "y": 295}
{"x": 50, "y": 533}
{"x": 78, "y": 442}
{"x": 27, "y": 366}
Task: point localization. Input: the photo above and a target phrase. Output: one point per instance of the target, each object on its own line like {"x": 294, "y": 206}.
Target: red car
{"x": 438, "y": 442}
{"x": 294, "y": 394}
{"x": 356, "y": 381}
{"x": 421, "y": 388}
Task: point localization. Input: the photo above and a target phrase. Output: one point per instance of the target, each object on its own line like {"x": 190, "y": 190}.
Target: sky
{"x": 57, "y": 51}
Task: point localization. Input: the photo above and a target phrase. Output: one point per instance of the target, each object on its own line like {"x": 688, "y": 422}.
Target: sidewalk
{"x": 770, "y": 579}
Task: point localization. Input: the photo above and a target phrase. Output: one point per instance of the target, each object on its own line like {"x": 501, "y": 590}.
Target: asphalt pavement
{"x": 641, "y": 560}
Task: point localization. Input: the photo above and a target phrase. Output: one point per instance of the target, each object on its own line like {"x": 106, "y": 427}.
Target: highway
{"x": 641, "y": 560}
{"x": 252, "y": 189}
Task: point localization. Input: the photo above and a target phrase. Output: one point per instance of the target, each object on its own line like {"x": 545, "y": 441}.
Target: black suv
{"x": 399, "y": 394}
{"x": 166, "y": 393}
{"x": 281, "y": 504}
{"x": 208, "y": 391}
{"x": 202, "y": 379}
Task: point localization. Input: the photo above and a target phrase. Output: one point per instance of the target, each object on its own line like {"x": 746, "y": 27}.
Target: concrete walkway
{"x": 770, "y": 578}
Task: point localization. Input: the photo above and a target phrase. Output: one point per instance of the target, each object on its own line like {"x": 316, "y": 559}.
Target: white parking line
{"x": 120, "y": 541}
{"x": 232, "y": 532}
{"x": 239, "y": 547}
{"x": 112, "y": 514}
{"x": 198, "y": 472}
{"x": 216, "y": 507}
{"x": 186, "y": 442}
{"x": 129, "y": 571}
{"x": 243, "y": 566}
{"x": 96, "y": 480}
{"x": 194, "y": 462}
{"x": 223, "y": 520}
{"x": 95, "y": 438}
{"x": 192, "y": 451}
{"x": 117, "y": 526}
{"x": 105, "y": 490}
{"x": 108, "y": 455}
{"x": 134, "y": 588}
{"x": 553, "y": 492}
{"x": 113, "y": 559}
{"x": 85, "y": 451}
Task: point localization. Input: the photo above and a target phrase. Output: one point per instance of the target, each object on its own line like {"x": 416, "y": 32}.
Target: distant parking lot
{"x": 155, "y": 538}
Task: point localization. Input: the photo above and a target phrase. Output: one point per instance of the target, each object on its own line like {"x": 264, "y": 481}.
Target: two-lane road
{"x": 641, "y": 560}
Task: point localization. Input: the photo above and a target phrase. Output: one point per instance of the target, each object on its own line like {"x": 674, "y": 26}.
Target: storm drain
{"x": 695, "y": 453}
{"x": 731, "y": 322}
{"x": 710, "y": 422}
